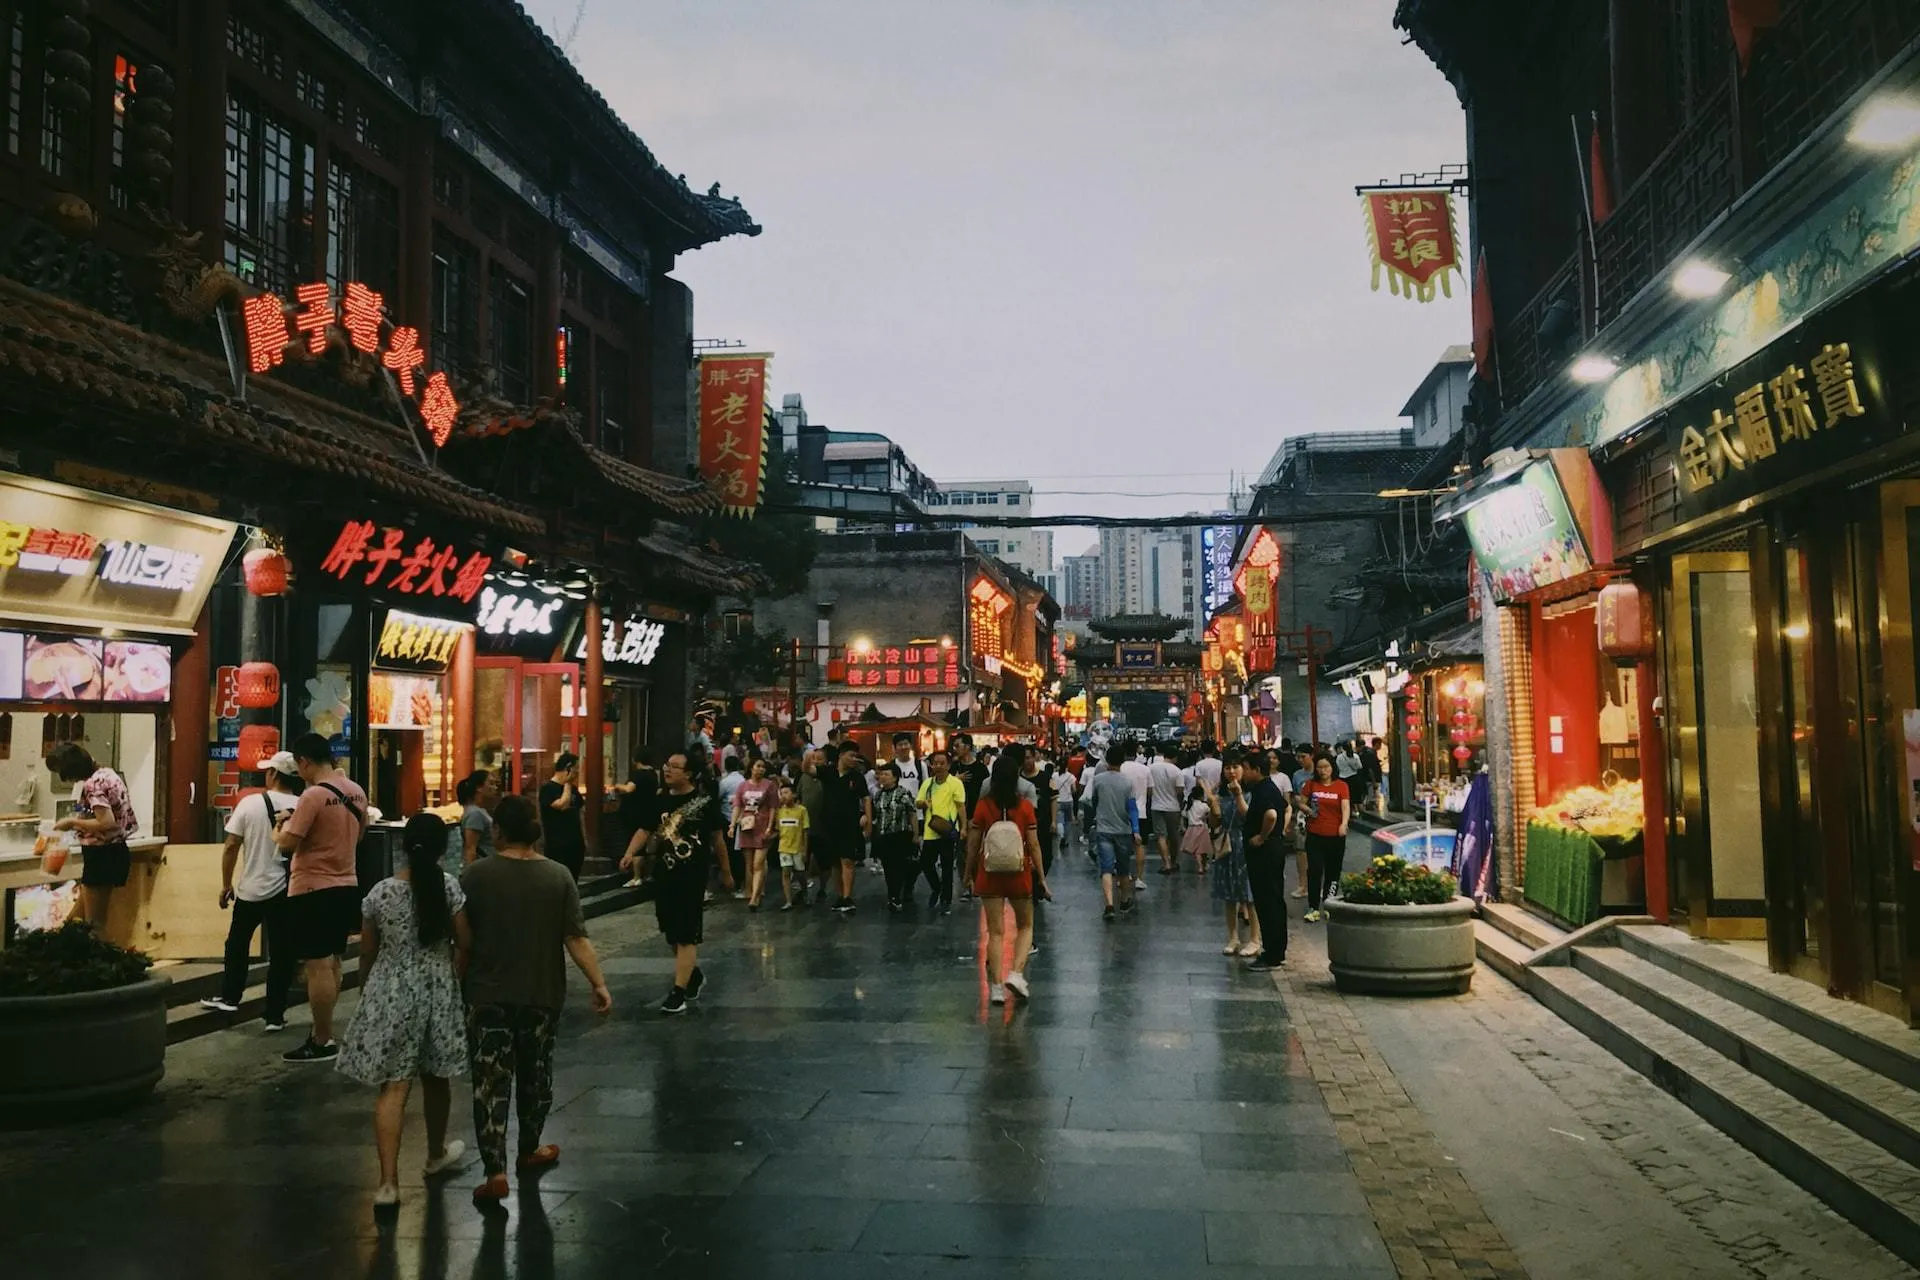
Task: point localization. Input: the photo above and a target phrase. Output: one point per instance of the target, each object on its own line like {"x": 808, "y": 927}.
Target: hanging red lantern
{"x": 265, "y": 571}
{"x": 257, "y": 685}
{"x": 748, "y": 706}
{"x": 1458, "y": 735}
{"x": 1463, "y": 754}
{"x": 1413, "y": 734}
{"x": 836, "y": 717}
{"x": 257, "y": 742}
{"x": 1462, "y": 718}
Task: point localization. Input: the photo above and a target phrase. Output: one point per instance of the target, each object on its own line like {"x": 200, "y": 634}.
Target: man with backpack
{"x": 322, "y": 835}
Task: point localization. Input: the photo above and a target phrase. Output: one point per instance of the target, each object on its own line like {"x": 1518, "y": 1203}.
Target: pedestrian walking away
{"x": 1263, "y": 830}
{"x": 409, "y": 1024}
{"x": 733, "y": 776}
{"x": 1140, "y": 778}
{"x": 686, "y": 835}
{"x": 322, "y": 837}
{"x": 258, "y": 897}
{"x": 524, "y": 922}
{"x": 755, "y": 803}
{"x": 1203, "y": 811}
{"x": 1109, "y": 801}
{"x": 1003, "y": 865}
{"x": 942, "y": 803}
{"x": 1332, "y": 810}
{"x": 560, "y": 802}
{"x": 1166, "y": 805}
{"x": 636, "y": 800}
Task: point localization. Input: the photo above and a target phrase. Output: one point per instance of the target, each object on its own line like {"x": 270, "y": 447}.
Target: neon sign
{"x": 635, "y": 645}
{"x": 389, "y": 559}
{"x": 270, "y": 326}
{"x": 912, "y": 667}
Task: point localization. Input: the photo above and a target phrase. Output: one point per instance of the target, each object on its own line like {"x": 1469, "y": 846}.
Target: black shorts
{"x": 105, "y": 866}
{"x": 679, "y": 904}
{"x": 319, "y": 923}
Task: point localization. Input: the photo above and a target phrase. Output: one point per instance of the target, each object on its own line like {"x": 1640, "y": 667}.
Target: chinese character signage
{"x": 1259, "y": 571}
{"x": 270, "y": 325}
{"x": 987, "y": 606}
{"x": 634, "y": 645}
{"x": 1524, "y": 534}
{"x": 733, "y": 453}
{"x": 1410, "y": 231}
{"x": 413, "y": 642}
{"x": 1810, "y": 400}
{"x": 1136, "y": 657}
{"x": 367, "y": 555}
{"x": 70, "y": 557}
{"x": 905, "y": 667}
{"x": 521, "y": 617}
{"x": 1216, "y": 550}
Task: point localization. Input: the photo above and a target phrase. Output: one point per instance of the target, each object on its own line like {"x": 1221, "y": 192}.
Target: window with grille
{"x": 510, "y": 306}
{"x": 124, "y": 72}
{"x": 63, "y": 135}
{"x": 311, "y": 90}
{"x": 456, "y": 303}
{"x": 250, "y": 45}
{"x": 363, "y": 229}
{"x": 16, "y": 80}
{"x": 610, "y": 398}
{"x": 449, "y": 183}
{"x": 269, "y": 197}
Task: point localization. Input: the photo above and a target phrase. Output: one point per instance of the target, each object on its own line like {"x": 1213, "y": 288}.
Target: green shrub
{"x": 66, "y": 961}
{"x": 1390, "y": 881}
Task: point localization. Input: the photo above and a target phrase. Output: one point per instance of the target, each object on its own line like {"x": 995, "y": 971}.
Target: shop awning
{"x": 1458, "y": 642}
{"x": 76, "y": 364}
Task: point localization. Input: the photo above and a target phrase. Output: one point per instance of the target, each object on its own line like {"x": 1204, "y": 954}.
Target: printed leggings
{"x": 512, "y": 1051}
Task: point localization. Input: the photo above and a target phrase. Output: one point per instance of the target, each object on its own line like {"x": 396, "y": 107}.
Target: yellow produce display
{"x": 1614, "y": 812}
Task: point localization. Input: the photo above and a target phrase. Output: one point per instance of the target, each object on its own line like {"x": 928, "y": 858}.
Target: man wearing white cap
{"x": 259, "y": 896}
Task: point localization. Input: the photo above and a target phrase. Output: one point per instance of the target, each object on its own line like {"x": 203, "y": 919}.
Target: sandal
{"x": 540, "y": 1157}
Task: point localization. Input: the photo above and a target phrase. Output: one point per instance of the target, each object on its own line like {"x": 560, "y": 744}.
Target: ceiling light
{"x": 1886, "y": 124}
{"x": 1697, "y": 279}
{"x": 1593, "y": 369}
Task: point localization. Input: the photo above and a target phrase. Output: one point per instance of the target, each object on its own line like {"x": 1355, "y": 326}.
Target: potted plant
{"x": 1400, "y": 929}
{"x": 83, "y": 1026}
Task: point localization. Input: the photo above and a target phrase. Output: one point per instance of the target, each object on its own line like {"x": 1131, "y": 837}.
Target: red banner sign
{"x": 270, "y": 326}
{"x": 1410, "y": 231}
{"x": 733, "y": 434}
{"x": 1259, "y": 572}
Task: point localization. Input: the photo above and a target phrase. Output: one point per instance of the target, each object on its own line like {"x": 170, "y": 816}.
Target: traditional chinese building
{"x": 1694, "y": 241}
{"x": 388, "y": 293}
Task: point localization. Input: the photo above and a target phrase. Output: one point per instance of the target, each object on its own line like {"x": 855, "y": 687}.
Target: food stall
{"x": 96, "y": 595}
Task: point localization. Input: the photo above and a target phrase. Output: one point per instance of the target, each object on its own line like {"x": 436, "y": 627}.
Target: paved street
{"x": 846, "y": 1103}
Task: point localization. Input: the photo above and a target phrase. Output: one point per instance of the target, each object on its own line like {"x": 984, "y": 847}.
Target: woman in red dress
{"x": 1002, "y": 801}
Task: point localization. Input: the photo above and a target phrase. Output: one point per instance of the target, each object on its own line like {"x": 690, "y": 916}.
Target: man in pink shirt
{"x": 322, "y": 836}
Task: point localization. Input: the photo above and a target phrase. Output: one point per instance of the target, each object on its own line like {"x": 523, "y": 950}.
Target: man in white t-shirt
{"x": 1166, "y": 802}
{"x": 1137, "y": 776}
{"x": 258, "y": 896}
{"x": 1206, "y": 770}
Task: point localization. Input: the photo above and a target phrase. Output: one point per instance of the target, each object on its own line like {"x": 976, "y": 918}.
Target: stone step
{"x": 1499, "y": 951}
{"x": 1872, "y": 1039}
{"x": 1522, "y": 925}
{"x": 1871, "y": 1188}
{"x": 1881, "y": 1110}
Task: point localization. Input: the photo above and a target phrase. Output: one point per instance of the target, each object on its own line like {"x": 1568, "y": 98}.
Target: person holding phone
{"x": 259, "y": 898}
{"x": 560, "y": 804}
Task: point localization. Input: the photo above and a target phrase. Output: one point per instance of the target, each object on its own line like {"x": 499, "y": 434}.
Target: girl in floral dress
{"x": 411, "y": 1022}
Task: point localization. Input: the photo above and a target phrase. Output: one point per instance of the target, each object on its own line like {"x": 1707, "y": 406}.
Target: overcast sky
{"x": 1102, "y": 244}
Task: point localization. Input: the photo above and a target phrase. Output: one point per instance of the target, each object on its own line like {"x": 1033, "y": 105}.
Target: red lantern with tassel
{"x": 257, "y": 685}
{"x": 257, "y": 742}
{"x": 264, "y": 570}
{"x": 1463, "y": 753}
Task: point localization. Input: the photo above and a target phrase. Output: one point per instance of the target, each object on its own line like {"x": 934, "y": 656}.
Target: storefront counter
{"x": 169, "y": 907}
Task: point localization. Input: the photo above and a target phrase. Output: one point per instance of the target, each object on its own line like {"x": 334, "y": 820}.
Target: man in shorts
{"x": 849, "y": 820}
{"x": 322, "y": 835}
{"x": 1166, "y": 806}
{"x": 1109, "y": 798}
{"x": 687, "y": 834}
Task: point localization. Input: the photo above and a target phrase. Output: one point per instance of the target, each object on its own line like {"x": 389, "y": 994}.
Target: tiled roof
{"x": 52, "y": 347}
{"x": 492, "y": 419}
{"x": 697, "y": 568}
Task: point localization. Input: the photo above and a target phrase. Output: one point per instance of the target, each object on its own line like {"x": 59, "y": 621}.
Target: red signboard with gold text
{"x": 733, "y": 453}
{"x": 1259, "y": 571}
{"x": 1410, "y": 231}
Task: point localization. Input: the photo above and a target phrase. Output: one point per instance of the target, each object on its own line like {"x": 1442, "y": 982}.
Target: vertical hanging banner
{"x": 733, "y": 428}
{"x": 1410, "y": 232}
{"x": 1259, "y": 572}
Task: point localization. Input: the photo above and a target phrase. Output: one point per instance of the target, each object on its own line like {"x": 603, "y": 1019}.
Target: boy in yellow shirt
{"x": 792, "y": 825}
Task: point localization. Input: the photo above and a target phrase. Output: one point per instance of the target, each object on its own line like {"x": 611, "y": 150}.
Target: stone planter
{"x": 68, "y": 1056}
{"x": 1424, "y": 950}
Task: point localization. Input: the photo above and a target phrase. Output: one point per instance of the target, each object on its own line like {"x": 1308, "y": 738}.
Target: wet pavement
{"x": 844, "y": 1102}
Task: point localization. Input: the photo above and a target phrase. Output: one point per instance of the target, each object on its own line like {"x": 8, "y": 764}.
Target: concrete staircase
{"x": 193, "y": 983}
{"x": 1826, "y": 1091}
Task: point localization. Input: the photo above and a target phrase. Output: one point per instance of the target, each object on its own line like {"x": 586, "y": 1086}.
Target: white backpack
{"x": 1004, "y": 847}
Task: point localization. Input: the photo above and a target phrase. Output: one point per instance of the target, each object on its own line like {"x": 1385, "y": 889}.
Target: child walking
{"x": 1202, "y": 812}
{"x": 792, "y": 823}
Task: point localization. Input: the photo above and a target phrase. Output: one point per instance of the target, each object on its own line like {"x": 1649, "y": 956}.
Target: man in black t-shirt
{"x": 849, "y": 817}
{"x": 560, "y": 815}
{"x": 686, "y": 832}
{"x": 1266, "y": 856}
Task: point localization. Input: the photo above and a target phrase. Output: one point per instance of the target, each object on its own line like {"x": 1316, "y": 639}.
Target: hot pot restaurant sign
{"x": 1410, "y": 233}
{"x": 733, "y": 453}
{"x": 1524, "y": 534}
{"x": 1813, "y": 399}
{"x": 75, "y": 558}
{"x": 398, "y": 562}
{"x": 357, "y": 319}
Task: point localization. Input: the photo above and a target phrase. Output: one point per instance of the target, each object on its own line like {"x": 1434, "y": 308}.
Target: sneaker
{"x": 739, "y": 895}
{"x": 1166, "y": 871}
{"x": 447, "y": 1159}
{"x": 274, "y": 1025}
{"x": 490, "y": 1193}
{"x": 996, "y": 995}
{"x": 786, "y": 906}
{"x": 634, "y": 883}
{"x": 1017, "y": 983}
{"x": 386, "y": 1196}
{"x": 1264, "y": 965}
{"x": 215, "y": 1004}
{"x": 1139, "y": 885}
{"x": 1126, "y": 908}
{"x": 697, "y": 983}
{"x": 311, "y": 1052}
{"x": 676, "y": 1002}
{"x": 1315, "y": 916}
{"x": 1107, "y": 915}
{"x": 707, "y": 901}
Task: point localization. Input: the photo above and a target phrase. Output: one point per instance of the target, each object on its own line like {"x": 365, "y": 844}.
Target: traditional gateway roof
{"x": 96, "y": 365}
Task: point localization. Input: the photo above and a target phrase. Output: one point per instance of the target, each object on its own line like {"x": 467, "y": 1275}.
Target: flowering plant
{"x": 1391, "y": 881}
